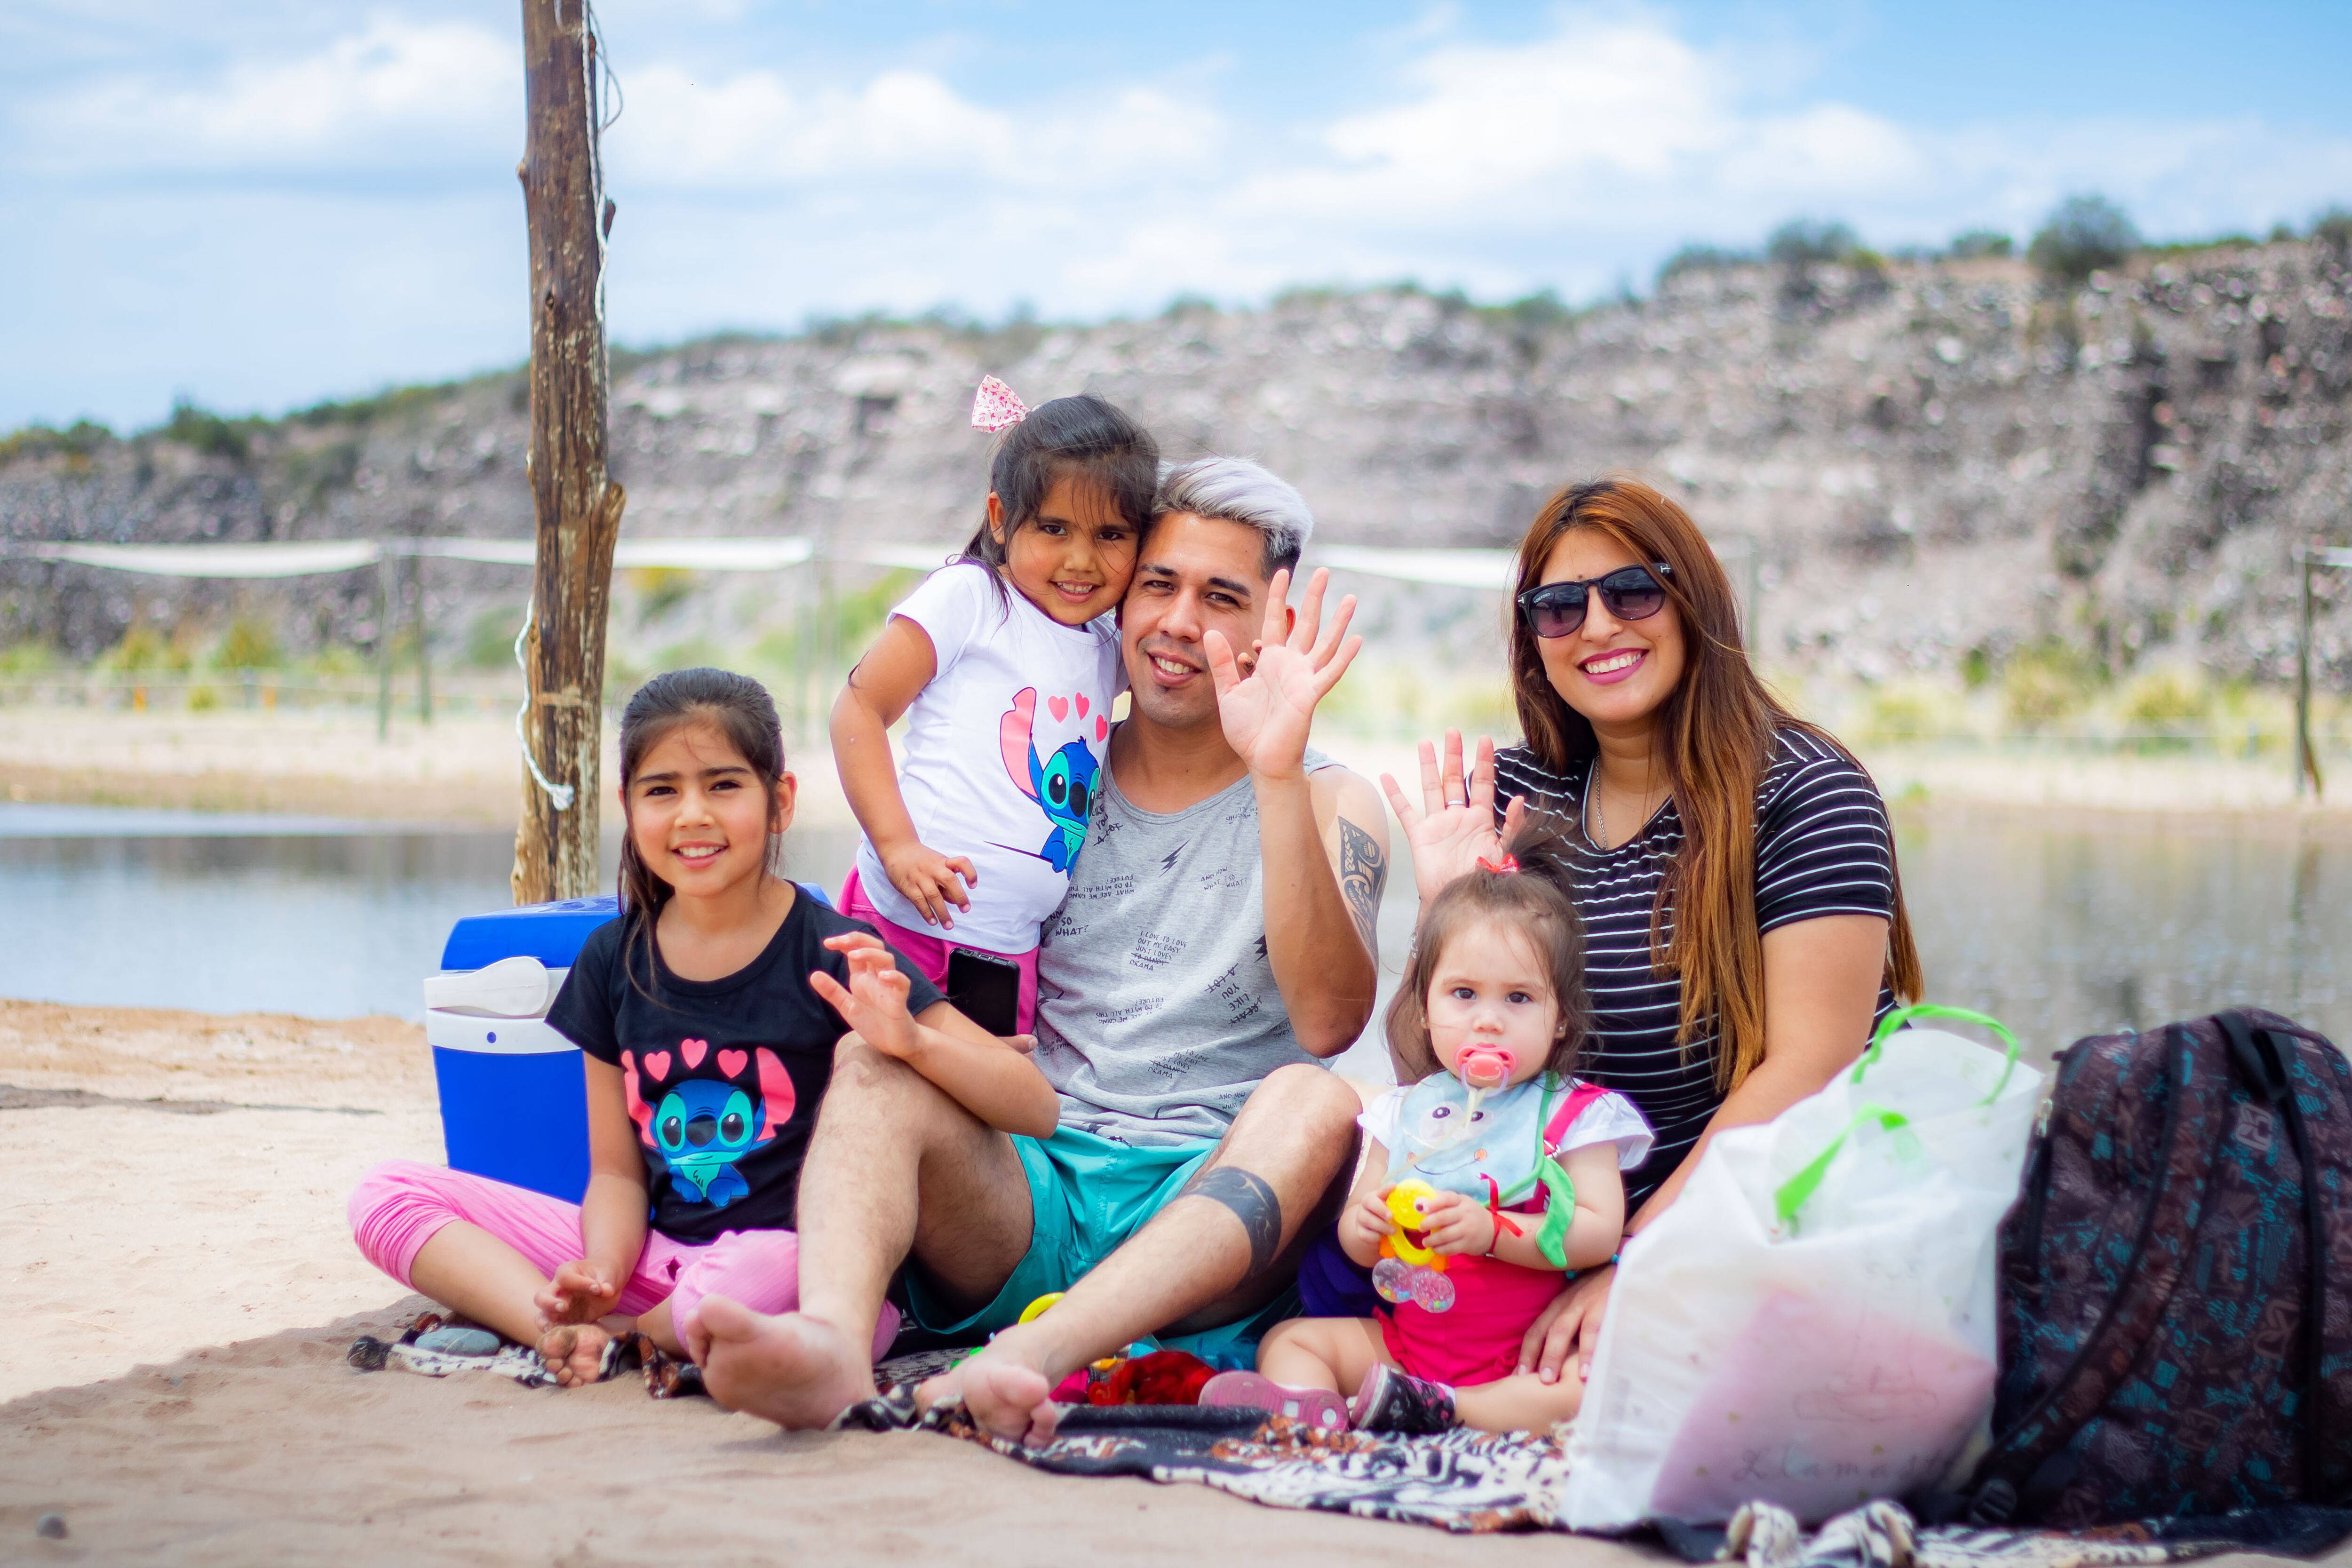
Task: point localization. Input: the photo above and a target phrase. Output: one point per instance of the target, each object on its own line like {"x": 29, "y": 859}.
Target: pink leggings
{"x": 401, "y": 1204}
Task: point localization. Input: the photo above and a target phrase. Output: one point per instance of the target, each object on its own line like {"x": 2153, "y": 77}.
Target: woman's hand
{"x": 930, "y": 880}
{"x": 1569, "y": 1327}
{"x": 1268, "y": 708}
{"x": 580, "y": 1293}
{"x": 1454, "y": 828}
{"x": 874, "y": 1003}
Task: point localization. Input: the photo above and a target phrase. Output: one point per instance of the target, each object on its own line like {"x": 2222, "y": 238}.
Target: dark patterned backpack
{"x": 2177, "y": 1282}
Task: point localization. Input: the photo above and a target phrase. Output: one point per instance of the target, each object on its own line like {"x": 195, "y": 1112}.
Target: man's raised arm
{"x": 1323, "y": 841}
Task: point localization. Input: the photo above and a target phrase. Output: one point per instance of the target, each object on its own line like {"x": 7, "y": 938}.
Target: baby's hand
{"x": 1452, "y": 1224}
{"x": 932, "y": 881}
{"x": 1367, "y": 1221}
{"x": 874, "y": 1003}
{"x": 579, "y": 1293}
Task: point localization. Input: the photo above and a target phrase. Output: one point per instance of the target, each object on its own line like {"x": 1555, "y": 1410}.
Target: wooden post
{"x": 2306, "y": 761}
{"x": 424, "y": 644}
{"x": 383, "y": 647}
{"x": 577, "y": 505}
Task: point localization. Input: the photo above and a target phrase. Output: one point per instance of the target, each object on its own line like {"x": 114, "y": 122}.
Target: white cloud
{"x": 751, "y": 195}
{"x": 395, "y": 96}
{"x": 755, "y": 131}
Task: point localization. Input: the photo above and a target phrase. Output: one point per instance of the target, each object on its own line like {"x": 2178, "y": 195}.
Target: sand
{"x": 177, "y": 1269}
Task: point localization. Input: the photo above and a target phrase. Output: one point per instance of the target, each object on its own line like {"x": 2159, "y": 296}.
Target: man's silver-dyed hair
{"x": 1235, "y": 489}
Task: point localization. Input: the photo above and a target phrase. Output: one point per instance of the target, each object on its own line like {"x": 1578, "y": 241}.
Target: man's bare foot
{"x": 574, "y": 1353}
{"x": 1008, "y": 1397}
{"x": 797, "y": 1371}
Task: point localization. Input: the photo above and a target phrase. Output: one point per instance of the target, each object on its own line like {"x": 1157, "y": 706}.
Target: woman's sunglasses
{"x": 1630, "y": 593}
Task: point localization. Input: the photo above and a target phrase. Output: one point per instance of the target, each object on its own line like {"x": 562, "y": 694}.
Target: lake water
{"x": 2060, "y": 929}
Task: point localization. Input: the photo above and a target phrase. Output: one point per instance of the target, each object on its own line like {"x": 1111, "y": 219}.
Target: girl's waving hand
{"x": 874, "y": 1003}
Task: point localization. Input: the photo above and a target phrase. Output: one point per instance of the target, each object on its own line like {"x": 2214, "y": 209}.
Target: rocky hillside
{"x": 1936, "y": 459}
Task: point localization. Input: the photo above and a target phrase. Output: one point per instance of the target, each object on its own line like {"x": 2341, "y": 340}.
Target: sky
{"x": 260, "y": 204}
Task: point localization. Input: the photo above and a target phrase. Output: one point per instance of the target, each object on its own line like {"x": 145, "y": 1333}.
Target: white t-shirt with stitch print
{"x": 1002, "y": 752}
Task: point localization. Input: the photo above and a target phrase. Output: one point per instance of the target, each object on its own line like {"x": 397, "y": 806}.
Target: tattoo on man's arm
{"x": 1250, "y": 1200}
{"x": 1363, "y": 873}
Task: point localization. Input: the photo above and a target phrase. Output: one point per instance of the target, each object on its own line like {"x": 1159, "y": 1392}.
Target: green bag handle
{"x": 1902, "y": 1015}
{"x": 1559, "y": 1212}
{"x": 1794, "y": 1192}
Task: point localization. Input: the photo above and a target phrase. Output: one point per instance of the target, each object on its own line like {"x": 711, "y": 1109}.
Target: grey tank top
{"x": 1157, "y": 1010}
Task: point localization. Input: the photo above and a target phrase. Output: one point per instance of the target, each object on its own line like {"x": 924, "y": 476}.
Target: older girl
{"x": 1735, "y": 876}
{"x": 707, "y": 1015}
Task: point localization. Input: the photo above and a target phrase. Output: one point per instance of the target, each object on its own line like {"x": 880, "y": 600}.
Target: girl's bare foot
{"x": 574, "y": 1353}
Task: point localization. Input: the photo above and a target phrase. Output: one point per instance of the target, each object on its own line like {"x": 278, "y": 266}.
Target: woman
{"x": 1744, "y": 920}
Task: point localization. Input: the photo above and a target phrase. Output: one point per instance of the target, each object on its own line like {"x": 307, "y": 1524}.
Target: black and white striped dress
{"x": 1823, "y": 847}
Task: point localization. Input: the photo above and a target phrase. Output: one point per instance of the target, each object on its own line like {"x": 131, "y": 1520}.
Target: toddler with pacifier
{"x": 1491, "y": 1173}
{"x": 1005, "y": 665}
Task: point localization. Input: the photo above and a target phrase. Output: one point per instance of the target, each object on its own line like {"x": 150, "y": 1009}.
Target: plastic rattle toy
{"x": 1407, "y": 1271}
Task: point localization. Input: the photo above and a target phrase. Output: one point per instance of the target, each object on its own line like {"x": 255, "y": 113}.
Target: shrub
{"x": 1702, "y": 258}
{"x": 1973, "y": 243}
{"x": 660, "y": 590}
{"x": 2334, "y": 229}
{"x": 1535, "y": 312}
{"x": 1802, "y": 241}
{"x": 1909, "y": 711}
{"x": 77, "y": 443}
{"x": 2044, "y": 685}
{"x": 142, "y": 649}
{"x": 207, "y": 432}
{"x": 2167, "y": 700}
{"x": 250, "y": 645}
{"x": 489, "y": 639}
{"x": 2083, "y": 235}
{"x": 31, "y": 656}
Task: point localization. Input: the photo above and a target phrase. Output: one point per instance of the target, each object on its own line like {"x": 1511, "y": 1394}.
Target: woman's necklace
{"x": 1596, "y": 825}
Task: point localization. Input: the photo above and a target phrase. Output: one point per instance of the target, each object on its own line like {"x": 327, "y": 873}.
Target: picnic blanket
{"x": 1477, "y": 1482}
{"x": 1466, "y": 1482}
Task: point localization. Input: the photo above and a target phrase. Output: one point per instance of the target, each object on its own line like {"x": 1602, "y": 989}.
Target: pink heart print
{"x": 1082, "y": 704}
{"x": 1102, "y": 727}
{"x": 1060, "y": 707}
{"x": 693, "y": 1051}
{"x": 733, "y": 1063}
{"x": 656, "y": 1065}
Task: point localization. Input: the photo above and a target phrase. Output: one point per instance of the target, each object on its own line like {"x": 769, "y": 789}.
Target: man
{"x": 1217, "y": 939}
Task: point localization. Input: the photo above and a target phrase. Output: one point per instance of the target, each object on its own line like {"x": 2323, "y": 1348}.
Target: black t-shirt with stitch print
{"x": 722, "y": 1077}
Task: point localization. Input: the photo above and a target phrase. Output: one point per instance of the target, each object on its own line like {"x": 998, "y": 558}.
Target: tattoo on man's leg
{"x": 1251, "y": 1199}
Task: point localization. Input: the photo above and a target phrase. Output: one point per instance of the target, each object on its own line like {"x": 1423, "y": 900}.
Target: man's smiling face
{"x": 1194, "y": 575}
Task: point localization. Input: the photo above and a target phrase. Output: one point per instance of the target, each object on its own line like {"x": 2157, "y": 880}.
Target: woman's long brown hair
{"x": 1715, "y": 738}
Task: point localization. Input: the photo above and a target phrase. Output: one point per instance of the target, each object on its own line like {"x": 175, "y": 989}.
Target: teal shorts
{"x": 1087, "y": 1196}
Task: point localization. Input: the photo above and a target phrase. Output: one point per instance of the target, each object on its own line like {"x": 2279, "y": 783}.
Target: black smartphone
{"x": 985, "y": 988}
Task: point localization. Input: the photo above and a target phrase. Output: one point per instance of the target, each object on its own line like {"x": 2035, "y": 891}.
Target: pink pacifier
{"x": 1484, "y": 1066}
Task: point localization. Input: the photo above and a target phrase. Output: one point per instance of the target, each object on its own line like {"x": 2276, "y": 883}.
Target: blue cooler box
{"x": 514, "y": 1104}
{"x": 514, "y": 1101}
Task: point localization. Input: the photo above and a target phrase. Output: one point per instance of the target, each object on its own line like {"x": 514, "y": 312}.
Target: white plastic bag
{"x": 1812, "y": 1323}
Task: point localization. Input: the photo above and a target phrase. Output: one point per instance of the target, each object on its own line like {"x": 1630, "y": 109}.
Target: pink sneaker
{"x": 1247, "y": 1390}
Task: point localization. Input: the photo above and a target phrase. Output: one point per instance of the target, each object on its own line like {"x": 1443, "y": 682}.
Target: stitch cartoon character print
{"x": 1062, "y": 785}
{"x": 696, "y": 1130}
